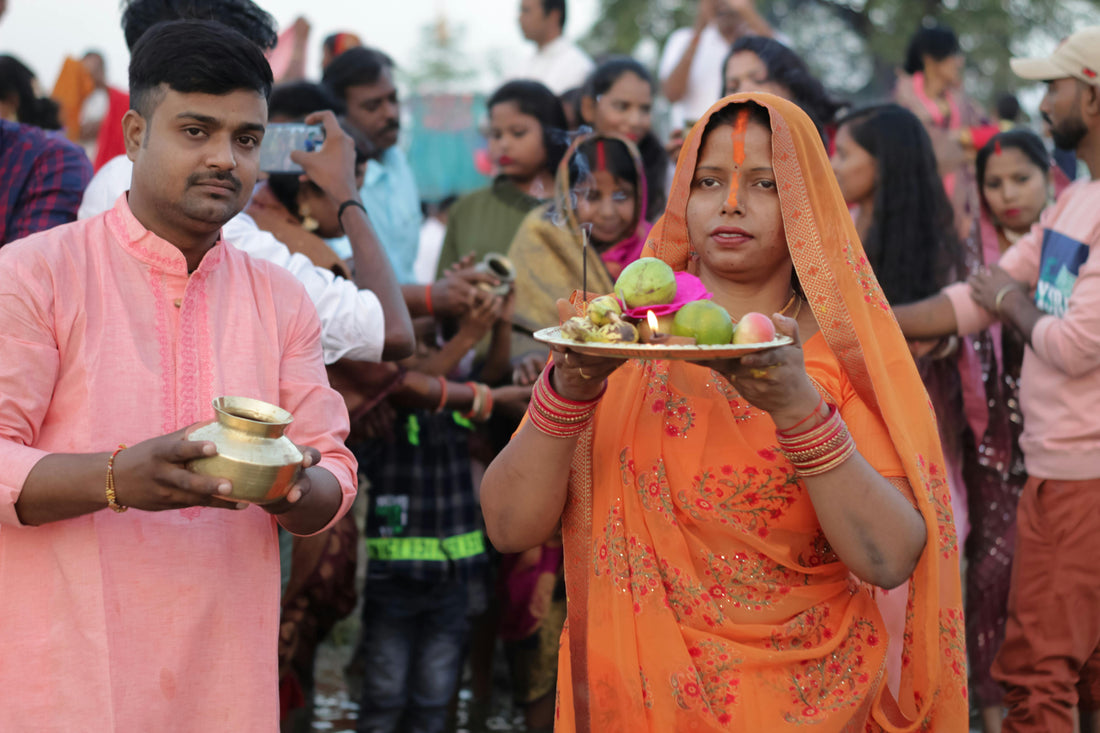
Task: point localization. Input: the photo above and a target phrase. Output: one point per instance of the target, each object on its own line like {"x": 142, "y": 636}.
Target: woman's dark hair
{"x": 17, "y": 81}
{"x": 297, "y": 99}
{"x": 1026, "y": 141}
{"x": 616, "y": 159}
{"x": 728, "y": 116}
{"x": 912, "y": 244}
{"x": 195, "y": 56}
{"x": 786, "y": 68}
{"x": 654, "y": 156}
{"x": 536, "y": 100}
{"x": 937, "y": 41}
{"x": 607, "y": 73}
{"x": 243, "y": 16}
{"x": 359, "y": 66}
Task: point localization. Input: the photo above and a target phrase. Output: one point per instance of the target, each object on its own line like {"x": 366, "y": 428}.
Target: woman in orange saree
{"x": 714, "y": 583}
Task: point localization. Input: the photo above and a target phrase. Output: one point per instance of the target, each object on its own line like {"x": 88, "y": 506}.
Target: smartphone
{"x": 281, "y": 138}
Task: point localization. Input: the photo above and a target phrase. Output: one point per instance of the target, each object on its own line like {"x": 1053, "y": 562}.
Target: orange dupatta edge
{"x": 859, "y": 328}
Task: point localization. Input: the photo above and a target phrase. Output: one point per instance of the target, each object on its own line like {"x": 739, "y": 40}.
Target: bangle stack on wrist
{"x": 819, "y": 449}
{"x": 557, "y": 416}
{"x": 482, "y": 407}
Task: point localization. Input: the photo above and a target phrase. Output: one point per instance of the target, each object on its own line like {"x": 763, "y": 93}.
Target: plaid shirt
{"x": 422, "y": 496}
{"x": 42, "y": 179}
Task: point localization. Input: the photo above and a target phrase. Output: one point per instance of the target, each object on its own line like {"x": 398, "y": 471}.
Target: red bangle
{"x": 790, "y": 432}
{"x": 428, "y": 300}
{"x": 442, "y": 394}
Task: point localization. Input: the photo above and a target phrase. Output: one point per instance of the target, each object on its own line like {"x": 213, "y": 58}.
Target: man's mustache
{"x": 226, "y": 177}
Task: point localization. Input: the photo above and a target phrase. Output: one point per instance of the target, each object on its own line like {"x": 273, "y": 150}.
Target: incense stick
{"x": 584, "y": 263}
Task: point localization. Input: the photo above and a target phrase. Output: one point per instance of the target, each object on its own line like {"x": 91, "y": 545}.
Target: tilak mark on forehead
{"x": 739, "y": 128}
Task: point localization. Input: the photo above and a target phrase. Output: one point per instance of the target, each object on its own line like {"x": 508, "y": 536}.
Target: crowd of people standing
{"x": 885, "y": 525}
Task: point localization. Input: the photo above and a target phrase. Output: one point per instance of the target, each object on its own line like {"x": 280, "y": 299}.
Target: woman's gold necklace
{"x": 796, "y": 302}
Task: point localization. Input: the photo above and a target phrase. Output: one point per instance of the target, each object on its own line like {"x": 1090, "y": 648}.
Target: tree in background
{"x": 856, "y": 45}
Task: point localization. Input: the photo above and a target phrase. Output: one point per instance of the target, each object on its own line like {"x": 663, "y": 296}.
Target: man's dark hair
{"x": 355, "y": 67}
{"x": 195, "y": 56}
{"x": 1008, "y": 107}
{"x": 937, "y": 41}
{"x": 549, "y": 6}
{"x": 297, "y": 99}
{"x": 534, "y": 99}
{"x": 243, "y": 16}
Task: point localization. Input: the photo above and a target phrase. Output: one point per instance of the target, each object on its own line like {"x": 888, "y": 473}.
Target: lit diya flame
{"x": 651, "y": 319}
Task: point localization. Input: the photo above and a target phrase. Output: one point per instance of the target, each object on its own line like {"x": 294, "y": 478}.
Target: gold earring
{"x": 308, "y": 222}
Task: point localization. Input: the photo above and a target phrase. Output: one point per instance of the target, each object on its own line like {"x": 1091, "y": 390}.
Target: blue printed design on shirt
{"x": 1060, "y": 263}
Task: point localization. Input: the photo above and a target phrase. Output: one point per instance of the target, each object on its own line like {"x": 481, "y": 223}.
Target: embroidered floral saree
{"x": 703, "y": 594}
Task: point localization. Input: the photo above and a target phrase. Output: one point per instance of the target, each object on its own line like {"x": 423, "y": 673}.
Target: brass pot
{"x": 499, "y": 267}
{"x": 253, "y": 454}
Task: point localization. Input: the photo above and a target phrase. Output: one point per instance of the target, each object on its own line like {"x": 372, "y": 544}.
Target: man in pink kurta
{"x": 164, "y": 619}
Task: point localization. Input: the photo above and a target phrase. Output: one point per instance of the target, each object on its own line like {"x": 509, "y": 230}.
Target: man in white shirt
{"x": 557, "y": 62}
{"x": 691, "y": 64}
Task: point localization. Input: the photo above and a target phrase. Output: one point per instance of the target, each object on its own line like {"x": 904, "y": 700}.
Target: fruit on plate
{"x": 604, "y": 310}
{"x": 619, "y": 332}
{"x": 579, "y": 329}
{"x": 705, "y": 321}
{"x": 646, "y": 281}
{"x": 754, "y": 328}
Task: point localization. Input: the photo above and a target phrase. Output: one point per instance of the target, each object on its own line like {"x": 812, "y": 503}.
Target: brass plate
{"x": 682, "y": 352}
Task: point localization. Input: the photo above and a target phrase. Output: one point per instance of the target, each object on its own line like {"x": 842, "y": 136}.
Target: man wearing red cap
{"x": 1047, "y": 286}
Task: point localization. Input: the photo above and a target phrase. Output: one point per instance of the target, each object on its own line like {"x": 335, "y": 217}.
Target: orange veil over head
{"x": 702, "y": 593}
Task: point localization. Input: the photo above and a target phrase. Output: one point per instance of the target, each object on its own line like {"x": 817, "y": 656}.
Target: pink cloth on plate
{"x": 145, "y": 621}
{"x": 688, "y": 288}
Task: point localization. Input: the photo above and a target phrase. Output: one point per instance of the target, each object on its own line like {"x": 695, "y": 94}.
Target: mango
{"x": 705, "y": 321}
{"x": 754, "y": 328}
{"x": 646, "y": 281}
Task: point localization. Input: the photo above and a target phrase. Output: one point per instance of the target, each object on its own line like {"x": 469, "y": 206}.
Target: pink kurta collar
{"x": 150, "y": 248}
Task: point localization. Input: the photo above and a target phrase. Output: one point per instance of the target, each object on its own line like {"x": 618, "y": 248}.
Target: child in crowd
{"x": 617, "y": 99}
{"x": 424, "y": 530}
{"x": 527, "y": 139}
{"x": 601, "y": 188}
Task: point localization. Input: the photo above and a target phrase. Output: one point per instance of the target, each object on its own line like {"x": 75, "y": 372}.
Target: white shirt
{"x": 704, "y": 84}
{"x": 352, "y": 321}
{"x": 432, "y": 232}
{"x": 561, "y": 65}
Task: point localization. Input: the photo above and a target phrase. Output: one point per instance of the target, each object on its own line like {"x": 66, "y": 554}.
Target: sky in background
{"x": 42, "y": 32}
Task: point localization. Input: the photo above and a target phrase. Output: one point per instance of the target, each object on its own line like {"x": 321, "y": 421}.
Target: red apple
{"x": 754, "y": 328}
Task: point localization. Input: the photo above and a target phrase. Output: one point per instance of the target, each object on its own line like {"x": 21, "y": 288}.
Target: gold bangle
{"x": 112, "y": 498}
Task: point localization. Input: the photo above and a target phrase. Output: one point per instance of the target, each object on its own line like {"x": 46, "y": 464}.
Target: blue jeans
{"x": 414, "y": 634}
